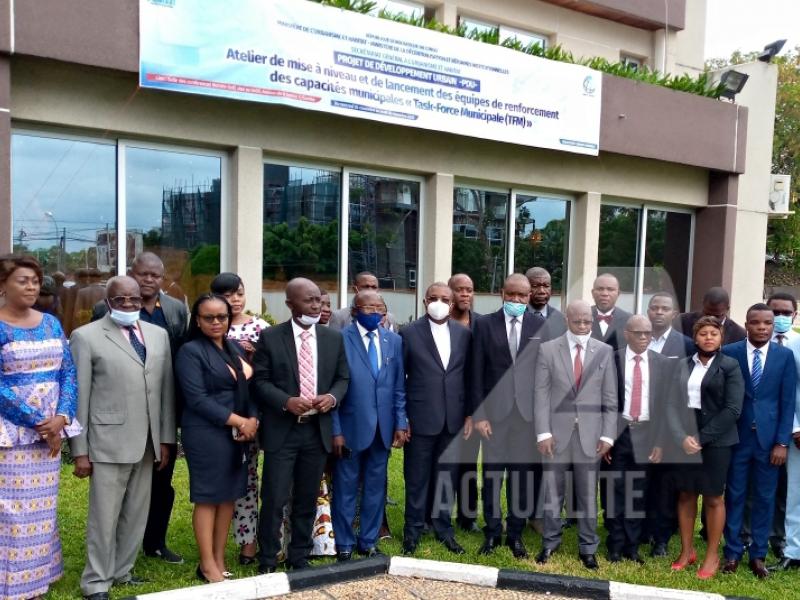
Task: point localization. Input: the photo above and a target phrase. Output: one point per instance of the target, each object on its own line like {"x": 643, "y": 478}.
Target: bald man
{"x": 608, "y": 320}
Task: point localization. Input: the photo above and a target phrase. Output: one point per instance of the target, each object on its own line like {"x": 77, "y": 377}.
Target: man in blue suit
{"x": 370, "y": 420}
{"x": 765, "y": 432}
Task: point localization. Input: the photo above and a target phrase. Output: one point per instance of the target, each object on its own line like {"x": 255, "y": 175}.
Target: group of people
{"x": 645, "y": 412}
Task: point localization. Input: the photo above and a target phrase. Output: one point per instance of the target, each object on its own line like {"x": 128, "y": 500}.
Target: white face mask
{"x": 582, "y": 339}
{"x": 308, "y": 320}
{"x": 123, "y": 318}
{"x": 438, "y": 310}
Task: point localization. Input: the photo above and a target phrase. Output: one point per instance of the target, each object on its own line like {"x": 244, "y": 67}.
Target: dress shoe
{"x": 97, "y": 596}
{"x": 469, "y": 526}
{"x": 451, "y": 544}
{"x": 200, "y": 575}
{"x": 409, "y": 546}
{"x": 730, "y": 566}
{"x": 678, "y": 566}
{"x": 245, "y": 560}
{"x": 758, "y": 568}
{"x": 167, "y": 555}
{"x": 785, "y": 564}
{"x": 517, "y": 548}
{"x": 589, "y": 561}
{"x": 777, "y": 552}
{"x": 384, "y": 533}
{"x": 266, "y": 569}
{"x": 344, "y": 556}
{"x": 633, "y": 557}
{"x": 132, "y": 580}
{"x": 300, "y": 564}
{"x": 614, "y": 557}
{"x": 658, "y": 550}
{"x": 370, "y": 552}
{"x": 489, "y": 544}
{"x": 544, "y": 555}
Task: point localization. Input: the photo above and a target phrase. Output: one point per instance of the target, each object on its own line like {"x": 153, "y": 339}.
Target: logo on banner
{"x": 588, "y": 86}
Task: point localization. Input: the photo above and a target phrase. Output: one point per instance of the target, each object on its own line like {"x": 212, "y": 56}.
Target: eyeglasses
{"x": 213, "y": 318}
{"x": 122, "y": 300}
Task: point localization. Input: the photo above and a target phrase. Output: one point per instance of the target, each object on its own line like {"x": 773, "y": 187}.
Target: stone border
{"x": 276, "y": 584}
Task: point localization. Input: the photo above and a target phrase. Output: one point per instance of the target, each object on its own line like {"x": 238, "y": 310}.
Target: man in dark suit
{"x": 172, "y": 316}
{"x": 503, "y": 357}
{"x": 362, "y": 282}
{"x": 608, "y": 320}
{"x": 765, "y": 432}
{"x": 645, "y": 388}
{"x": 436, "y": 353}
{"x": 716, "y": 303}
{"x": 467, "y": 478}
{"x": 300, "y": 375}
{"x": 547, "y": 317}
{"x": 666, "y": 339}
{"x": 575, "y": 396}
{"x": 370, "y": 420}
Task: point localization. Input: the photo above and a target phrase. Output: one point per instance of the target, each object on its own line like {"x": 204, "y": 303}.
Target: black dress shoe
{"x": 266, "y": 569}
{"x": 658, "y": 550}
{"x": 409, "y": 546}
{"x": 588, "y": 560}
{"x": 777, "y": 552}
{"x": 344, "y": 556}
{"x": 451, "y": 544}
{"x": 517, "y": 548}
{"x": 97, "y": 596}
{"x": 614, "y": 557}
{"x": 489, "y": 544}
{"x": 132, "y": 580}
{"x": 758, "y": 568}
{"x": 200, "y": 575}
{"x": 729, "y": 566}
{"x": 633, "y": 557}
{"x": 785, "y": 564}
{"x": 245, "y": 560}
{"x": 544, "y": 556}
{"x": 370, "y": 552}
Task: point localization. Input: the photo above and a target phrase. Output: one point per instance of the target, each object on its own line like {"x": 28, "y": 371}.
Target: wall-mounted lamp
{"x": 770, "y": 51}
{"x": 734, "y": 82}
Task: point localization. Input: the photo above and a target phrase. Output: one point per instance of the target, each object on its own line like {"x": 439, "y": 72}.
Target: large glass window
{"x": 667, "y": 254}
{"x": 173, "y": 209}
{"x": 382, "y": 237}
{"x": 301, "y": 231}
{"x": 64, "y": 213}
{"x": 620, "y": 230}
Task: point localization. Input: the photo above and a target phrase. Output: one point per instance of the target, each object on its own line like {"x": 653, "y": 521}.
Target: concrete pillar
{"x": 584, "y": 243}
{"x": 447, "y": 13}
{"x": 436, "y": 241}
{"x": 5, "y": 155}
{"x": 245, "y": 228}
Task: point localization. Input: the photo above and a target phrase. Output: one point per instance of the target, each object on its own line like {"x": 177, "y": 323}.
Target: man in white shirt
{"x": 608, "y": 320}
{"x": 666, "y": 340}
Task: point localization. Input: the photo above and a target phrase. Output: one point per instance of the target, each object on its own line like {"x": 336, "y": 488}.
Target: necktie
{"x": 578, "y": 366}
{"x": 305, "y": 363}
{"x": 372, "y": 353}
{"x": 636, "y": 391}
{"x": 780, "y": 337}
{"x": 755, "y": 373}
{"x": 512, "y": 339}
{"x": 137, "y": 345}
{"x": 538, "y": 320}
{"x": 605, "y": 318}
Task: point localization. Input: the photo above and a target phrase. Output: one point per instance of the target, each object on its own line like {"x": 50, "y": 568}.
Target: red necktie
{"x": 606, "y": 318}
{"x": 578, "y": 366}
{"x": 636, "y": 391}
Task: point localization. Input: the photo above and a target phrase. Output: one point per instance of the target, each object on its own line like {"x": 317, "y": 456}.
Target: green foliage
{"x": 359, "y": 6}
{"x": 304, "y": 250}
{"x": 546, "y": 250}
{"x": 205, "y": 260}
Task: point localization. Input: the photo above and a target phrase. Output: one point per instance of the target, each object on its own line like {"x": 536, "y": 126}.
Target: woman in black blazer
{"x": 218, "y": 416}
{"x": 704, "y": 426}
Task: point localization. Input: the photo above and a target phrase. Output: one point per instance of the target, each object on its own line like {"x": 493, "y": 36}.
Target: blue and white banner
{"x": 299, "y": 53}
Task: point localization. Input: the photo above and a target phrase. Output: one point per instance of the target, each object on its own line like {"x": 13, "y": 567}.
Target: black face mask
{"x": 705, "y": 354}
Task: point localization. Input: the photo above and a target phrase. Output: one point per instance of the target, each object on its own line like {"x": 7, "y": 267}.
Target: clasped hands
{"x": 50, "y": 432}
{"x": 297, "y": 405}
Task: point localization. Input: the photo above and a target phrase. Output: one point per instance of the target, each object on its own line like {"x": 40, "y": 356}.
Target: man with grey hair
{"x": 547, "y": 316}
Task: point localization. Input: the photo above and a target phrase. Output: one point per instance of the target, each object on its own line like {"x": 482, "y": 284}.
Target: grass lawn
{"x": 72, "y": 522}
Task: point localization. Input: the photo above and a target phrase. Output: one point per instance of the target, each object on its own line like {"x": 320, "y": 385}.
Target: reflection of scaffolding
{"x": 288, "y": 200}
{"x": 190, "y": 215}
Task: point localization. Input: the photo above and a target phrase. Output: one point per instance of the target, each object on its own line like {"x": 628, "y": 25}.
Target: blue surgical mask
{"x": 124, "y": 318}
{"x": 369, "y": 321}
{"x": 514, "y": 309}
{"x": 783, "y": 323}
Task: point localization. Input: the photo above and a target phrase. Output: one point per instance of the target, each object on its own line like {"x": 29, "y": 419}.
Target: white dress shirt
{"x": 362, "y": 331}
{"x": 441, "y": 337}
{"x": 657, "y": 343}
{"x": 763, "y": 350}
{"x": 696, "y": 379}
{"x": 542, "y": 311}
{"x": 602, "y": 324}
{"x": 518, "y": 326}
{"x": 787, "y": 337}
{"x": 644, "y": 366}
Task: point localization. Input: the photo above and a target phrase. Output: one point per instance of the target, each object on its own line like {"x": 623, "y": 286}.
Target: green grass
{"x": 72, "y": 523}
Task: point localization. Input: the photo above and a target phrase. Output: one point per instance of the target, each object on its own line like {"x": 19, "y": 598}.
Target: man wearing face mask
{"x": 435, "y": 352}
{"x": 126, "y": 396}
{"x": 300, "y": 375}
{"x": 503, "y": 358}
{"x": 371, "y": 420}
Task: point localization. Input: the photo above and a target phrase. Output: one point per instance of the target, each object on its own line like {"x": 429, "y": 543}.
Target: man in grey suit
{"x": 342, "y": 317}
{"x": 575, "y": 417}
{"x": 127, "y": 405}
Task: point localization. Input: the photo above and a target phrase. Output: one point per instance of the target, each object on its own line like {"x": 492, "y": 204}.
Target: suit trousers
{"x": 554, "y": 484}
{"x": 162, "y": 498}
{"x": 467, "y": 481}
{"x": 119, "y": 496}
{"x": 750, "y": 468}
{"x": 793, "y": 504}
{"x": 428, "y": 476}
{"x": 509, "y": 453}
{"x": 777, "y": 535}
{"x": 369, "y": 468}
{"x": 297, "y": 467}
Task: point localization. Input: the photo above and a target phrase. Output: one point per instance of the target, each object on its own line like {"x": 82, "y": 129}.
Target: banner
{"x": 302, "y": 54}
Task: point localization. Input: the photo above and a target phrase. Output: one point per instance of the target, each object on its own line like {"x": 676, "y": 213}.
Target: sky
{"x": 748, "y": 25}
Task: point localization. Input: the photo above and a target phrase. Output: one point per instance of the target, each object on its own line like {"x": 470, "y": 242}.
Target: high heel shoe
{"x": 704, "y": 575}
{"x": 247, "y": 560}
{"x": 200, "y": 575}
{"x": 676, "y": 566}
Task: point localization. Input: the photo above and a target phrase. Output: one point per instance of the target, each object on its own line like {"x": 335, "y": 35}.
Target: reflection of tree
{"x": 479, "y": 237}
{"x": 305, "y": 250}
{"x": 152, "y": 238}
{"x": 542, "y": 248}
{"x": 619, "y": 231}
{"x": 205, "y": 260}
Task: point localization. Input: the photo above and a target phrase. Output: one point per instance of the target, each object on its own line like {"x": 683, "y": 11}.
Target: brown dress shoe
{"x": 758, "y": 568}
{"x": 730, "y": 566}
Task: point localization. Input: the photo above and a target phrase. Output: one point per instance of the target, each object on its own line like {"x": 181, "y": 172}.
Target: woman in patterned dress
{"x": 38, "y": 398}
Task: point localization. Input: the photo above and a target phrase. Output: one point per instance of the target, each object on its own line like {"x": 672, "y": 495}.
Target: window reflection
{"x": 620, "y": 229}
{"x": 667, "y": 271}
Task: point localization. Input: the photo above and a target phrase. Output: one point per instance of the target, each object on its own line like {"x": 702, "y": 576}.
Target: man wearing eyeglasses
{"x": 126, "y": 404}
{"x": 171, "y": 315}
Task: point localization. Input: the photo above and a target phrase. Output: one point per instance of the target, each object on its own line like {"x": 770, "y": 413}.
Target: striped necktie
{"x": 755, "y": 373}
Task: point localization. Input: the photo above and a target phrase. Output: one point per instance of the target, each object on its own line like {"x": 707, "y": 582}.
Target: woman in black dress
{"x": 218, "y": 416}
{"x": 704, "y": 426}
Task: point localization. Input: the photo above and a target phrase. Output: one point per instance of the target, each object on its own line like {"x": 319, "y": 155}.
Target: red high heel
{"x": 703, "y": 574}
{"x": 676, "y": 566}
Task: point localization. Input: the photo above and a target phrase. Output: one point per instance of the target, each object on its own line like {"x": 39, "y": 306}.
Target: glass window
{"x": 542, "y": 237}
{"x": 173, "y": 209}
{"x": 667, "y": 271}
{"x": 526, "y": 38}
{"x": 476, "y": 25}
{"x": 383, "y": 235}
{"x": 407, "y": 8}
{"x": 633, "y": 62}
{"x": 620, "y": 230}
{"x": 301, "y": 231}
{"x": 64, "y": 213}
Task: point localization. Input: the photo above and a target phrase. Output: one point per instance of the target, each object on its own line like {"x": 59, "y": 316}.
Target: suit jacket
{"x": 614, "y": 334}
{"x": 771, "y": 405}
{"x": 678, "y": 345}
{"x": 721, "y": 397}
{"x": 276, "y": 378}
{"x": 342, "y": 317}
{"x": 435, "y": 397}
{"x": 372, "y": 404}
{"x": 555, "y": 323}
{"x": 120, "y": 400}
{"x": 558, "y": 403}
{"x": 499, "y": 383}
{"x": 731, "y": 331}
